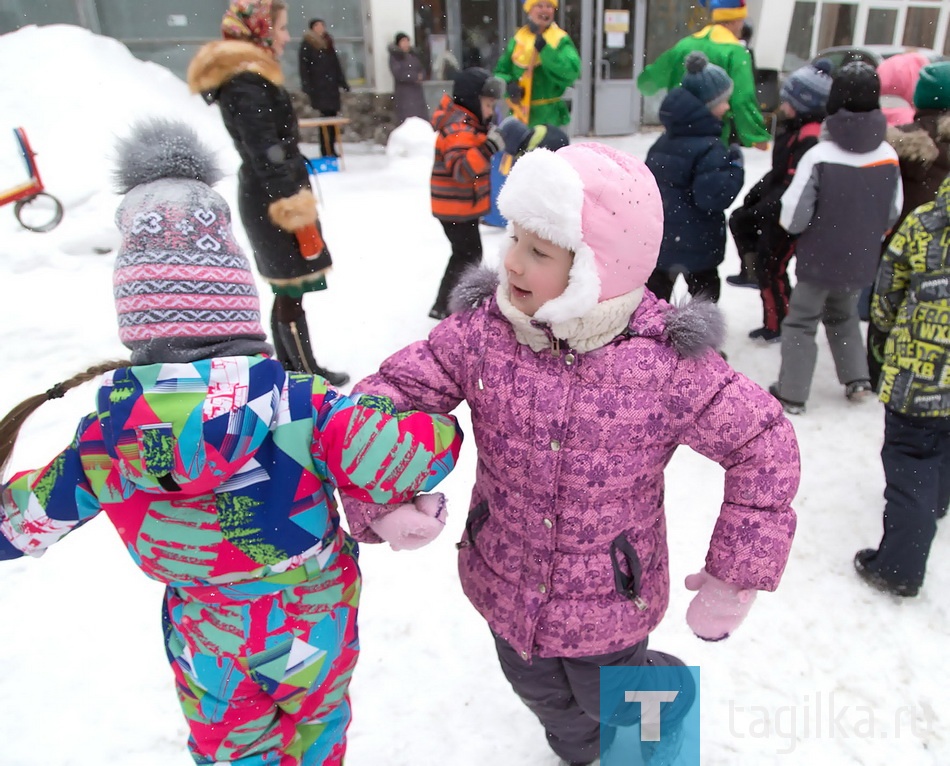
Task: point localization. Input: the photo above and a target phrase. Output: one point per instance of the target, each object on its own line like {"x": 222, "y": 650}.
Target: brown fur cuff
{"x": 292, "y": 213}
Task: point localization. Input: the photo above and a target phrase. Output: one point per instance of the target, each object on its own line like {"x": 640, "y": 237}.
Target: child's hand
{"x": 718, "y": 607}
{"x": 412, "y": 525}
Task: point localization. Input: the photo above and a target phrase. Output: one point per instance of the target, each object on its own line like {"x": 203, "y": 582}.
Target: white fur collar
{"x": 596, "y": 328}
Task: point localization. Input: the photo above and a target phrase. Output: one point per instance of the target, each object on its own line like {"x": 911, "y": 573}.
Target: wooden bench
{"x": 325, "y": 124}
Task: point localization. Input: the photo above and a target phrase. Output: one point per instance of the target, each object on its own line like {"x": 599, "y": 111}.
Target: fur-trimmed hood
{"x": 317, "y": 42}
{"x": 914, "y": 143}
{"x": 217, "y": 62}
{"x": 692, "y": 328}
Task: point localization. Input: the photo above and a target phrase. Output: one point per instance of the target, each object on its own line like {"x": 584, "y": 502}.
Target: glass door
{"x": 618, "y": 53}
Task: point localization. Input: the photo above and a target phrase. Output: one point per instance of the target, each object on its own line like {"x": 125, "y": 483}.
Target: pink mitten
{"x": 718, "y": 607}
{"x": 412, "y": 525}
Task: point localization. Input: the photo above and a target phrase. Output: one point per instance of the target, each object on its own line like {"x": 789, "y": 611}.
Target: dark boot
{"x": 292, "y": 342}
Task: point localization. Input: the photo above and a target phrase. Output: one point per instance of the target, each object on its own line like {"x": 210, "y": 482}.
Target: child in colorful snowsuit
{"x": 851, "y": 177}
{"x": 461, "y": 174}
{"x": 581, "y": 385}
{"x": 218, "y": 467}
{"x": 765, "y": 248}
{"x": 698, "y": 179}
{"x": 911, "y": 304}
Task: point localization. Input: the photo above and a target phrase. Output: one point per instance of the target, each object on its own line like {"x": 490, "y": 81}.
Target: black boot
{"x": 292, "y": 342}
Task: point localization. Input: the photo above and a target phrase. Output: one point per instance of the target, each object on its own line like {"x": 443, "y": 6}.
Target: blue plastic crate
{"x": 323, "y": 165}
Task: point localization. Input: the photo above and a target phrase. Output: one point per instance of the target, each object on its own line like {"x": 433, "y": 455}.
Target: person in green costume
{"x": 722, "y": 46}
{"x": 538, "y": 65}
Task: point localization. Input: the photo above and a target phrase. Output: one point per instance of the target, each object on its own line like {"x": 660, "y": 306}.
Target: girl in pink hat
{"x": 581, "y": 385}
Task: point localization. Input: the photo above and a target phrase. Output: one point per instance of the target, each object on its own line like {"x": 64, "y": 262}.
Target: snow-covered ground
{"x": 824, "y": 671}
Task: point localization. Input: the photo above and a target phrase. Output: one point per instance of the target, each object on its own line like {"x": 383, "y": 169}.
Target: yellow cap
{"x": 529, "y": 4}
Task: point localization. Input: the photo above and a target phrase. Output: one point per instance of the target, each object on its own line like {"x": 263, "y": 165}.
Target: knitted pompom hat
{"x": 183, "y": 288}
{"x": 599, "y": 203}
{"x": 708, "y": 82}
{"x": 806, "y": 89}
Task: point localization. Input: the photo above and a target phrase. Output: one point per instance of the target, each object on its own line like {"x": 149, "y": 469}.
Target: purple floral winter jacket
{"x": 565, "y": 552}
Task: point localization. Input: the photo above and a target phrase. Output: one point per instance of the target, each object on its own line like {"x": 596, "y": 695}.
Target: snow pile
{"x": 414, "y": 138}
{"x": 75, "y": 91}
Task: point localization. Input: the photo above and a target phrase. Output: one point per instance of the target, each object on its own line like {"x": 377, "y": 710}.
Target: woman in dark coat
{"x": 408, "y": 74}
{"x": 279, "y": 212}
{"x": 322, "y": 78}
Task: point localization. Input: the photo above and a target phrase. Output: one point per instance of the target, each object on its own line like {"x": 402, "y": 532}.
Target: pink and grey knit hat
{"x": 183, "y": 288}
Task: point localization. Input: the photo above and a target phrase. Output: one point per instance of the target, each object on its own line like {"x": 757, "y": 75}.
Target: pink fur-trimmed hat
{"x": 598, "y": 202}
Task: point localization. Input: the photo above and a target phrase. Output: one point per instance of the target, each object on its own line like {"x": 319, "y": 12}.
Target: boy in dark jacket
{"x": 910, "y": 305}
{"x": 460, "y": 186}
{"x": 846, "y": 195}
{"x": 698, "y": 179}
{"x": 765, "y": 248}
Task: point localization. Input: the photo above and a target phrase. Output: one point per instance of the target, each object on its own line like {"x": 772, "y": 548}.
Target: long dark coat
{"x": 247, "y": 84}
{"x": 408, "y": 73}
{"x": 321, "y": 75}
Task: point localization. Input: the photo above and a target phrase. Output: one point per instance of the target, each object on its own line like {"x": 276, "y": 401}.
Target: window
{"x": 344, "y": 20}
{"x": 18, "y": 13}
{"x": 668, "y": 21}
{"x": 920, "y": 28}
{"x": 798, "y": 47}
{"x": 837, "y": 24}
{"x": 881, "y": 24}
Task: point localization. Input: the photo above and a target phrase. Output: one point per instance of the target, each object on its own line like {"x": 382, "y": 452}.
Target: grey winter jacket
{"x": 845, "y": 197}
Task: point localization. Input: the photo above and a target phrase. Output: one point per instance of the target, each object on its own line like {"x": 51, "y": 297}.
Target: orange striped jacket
{"x": 461, "y": 174}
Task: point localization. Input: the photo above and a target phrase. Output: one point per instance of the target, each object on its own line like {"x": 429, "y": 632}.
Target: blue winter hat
{"x": 806, "y": 89}
{"x": 708, "y": 82}
{"x": 515, "y": 134}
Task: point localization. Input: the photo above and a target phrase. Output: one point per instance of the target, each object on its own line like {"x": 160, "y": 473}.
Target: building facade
{"x": 615, "y": 37}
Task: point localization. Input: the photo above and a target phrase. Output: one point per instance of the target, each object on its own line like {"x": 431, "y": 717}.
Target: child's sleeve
{"x": 40, "y": 507}
{"x": 893, "y": 275}
{"x": 466, "y": 155}
{"x": 718, "y": 178}
{"x": 370, "y": 451}
{"x": 799, "y": 199}
{"x": 742, "y": 427}
{"x": 424, "y": 376}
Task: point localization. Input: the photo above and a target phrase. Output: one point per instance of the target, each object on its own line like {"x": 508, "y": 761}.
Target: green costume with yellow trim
{"x": 725, "y": 50}
{"x": 556, "y": 68}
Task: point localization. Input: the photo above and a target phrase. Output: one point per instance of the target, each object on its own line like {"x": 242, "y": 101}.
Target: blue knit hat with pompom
{"x": 708, "y": 82}
{"x": 806, "y": 89}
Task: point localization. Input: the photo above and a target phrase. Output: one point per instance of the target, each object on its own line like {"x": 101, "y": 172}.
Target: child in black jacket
{"x": 765, "y": 248}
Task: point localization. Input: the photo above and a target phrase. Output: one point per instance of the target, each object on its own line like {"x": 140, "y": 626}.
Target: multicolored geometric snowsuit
{"x": 219, "y": 477}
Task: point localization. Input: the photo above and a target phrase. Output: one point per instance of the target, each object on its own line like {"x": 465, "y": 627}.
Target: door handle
{"x": 605, "y": 69}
